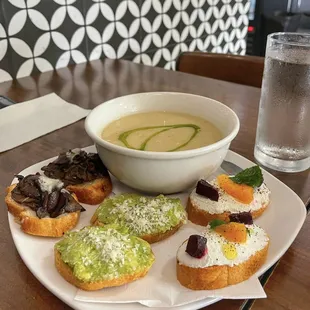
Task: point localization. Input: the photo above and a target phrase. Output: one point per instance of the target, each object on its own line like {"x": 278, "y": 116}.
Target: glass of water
{"x": 283, "y": 128}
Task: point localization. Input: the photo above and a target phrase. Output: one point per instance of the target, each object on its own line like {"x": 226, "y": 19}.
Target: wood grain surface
{"x": 92, "y": 83}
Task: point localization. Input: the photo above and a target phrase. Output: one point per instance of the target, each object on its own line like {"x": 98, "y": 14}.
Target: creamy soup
{"x": 161, "y": 132}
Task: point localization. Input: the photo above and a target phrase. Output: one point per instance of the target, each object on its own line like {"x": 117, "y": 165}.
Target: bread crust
{"x": 202, "y": 217}
{"x": 45, "y": 227}
{"x": 215, "y": 277}
{"x": 92, "y": 192}
{"x": 151, "y": 238}
{"x": 66, "y": 272}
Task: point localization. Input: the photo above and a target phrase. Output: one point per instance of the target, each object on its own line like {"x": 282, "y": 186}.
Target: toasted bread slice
{"x": 144, "y": 217}
{"x": 215, "y": 277}
{"x": 202, "y": 217}
{"x": 92, "y": 192}
{"x": 31, "y": 224}
{"x": 66, "y": 272}
{"x": 97, "y": 257}
{"x": 152, "y": 238}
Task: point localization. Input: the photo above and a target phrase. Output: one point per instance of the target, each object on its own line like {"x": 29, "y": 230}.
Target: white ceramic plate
{"x": 285, "y": 211}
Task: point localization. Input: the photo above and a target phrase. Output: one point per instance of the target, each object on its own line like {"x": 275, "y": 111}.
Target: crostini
{"x": 42, "y": 206}
{"x": 226, "y": 254}
{"x": 219, "y": 198}
{"x": 98, "y": 257}
{"x": 152, "y": 219}
{"x": 83, "y": 174}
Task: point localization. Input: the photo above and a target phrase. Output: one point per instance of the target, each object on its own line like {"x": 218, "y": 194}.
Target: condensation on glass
{"x": 283, "y": 128}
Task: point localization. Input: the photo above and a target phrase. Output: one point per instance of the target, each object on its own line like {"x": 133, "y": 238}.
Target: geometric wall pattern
{"x": 41, "y": 35}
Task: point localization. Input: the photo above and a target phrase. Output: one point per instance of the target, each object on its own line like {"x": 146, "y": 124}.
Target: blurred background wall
{"x": 40, "y": 35}
{"x": 268, "y": 16}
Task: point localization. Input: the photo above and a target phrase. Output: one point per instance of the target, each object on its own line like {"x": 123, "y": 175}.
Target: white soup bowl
{"x": 162, "y": 172}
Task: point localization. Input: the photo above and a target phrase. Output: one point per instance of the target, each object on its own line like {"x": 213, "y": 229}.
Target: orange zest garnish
{"x": 241, "y": 192}
{"x": 233, "y": 232}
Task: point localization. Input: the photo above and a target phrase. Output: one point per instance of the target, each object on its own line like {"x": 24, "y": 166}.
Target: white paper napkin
{"x": 160, "y": 288}
{"x": 23, "y": 122}
{"x": 164, "y": 296}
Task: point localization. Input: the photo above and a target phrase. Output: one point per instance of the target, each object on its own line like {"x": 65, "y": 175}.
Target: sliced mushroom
{"x": 60, "y": 205}
{"x": 52, "y": 201}
{"x": 41, "y": 213}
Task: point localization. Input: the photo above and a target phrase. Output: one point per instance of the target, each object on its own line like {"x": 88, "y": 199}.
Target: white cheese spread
{"x": 227, "y": 203}
{"x": 256, "y": 241}
{"x": 48, "y": 184}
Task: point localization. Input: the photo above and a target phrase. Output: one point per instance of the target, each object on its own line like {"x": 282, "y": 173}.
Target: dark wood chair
{"x": 246, "y": 70}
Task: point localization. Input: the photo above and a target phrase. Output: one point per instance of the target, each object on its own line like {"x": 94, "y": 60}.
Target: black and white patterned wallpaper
{"x": 40, "y": 35}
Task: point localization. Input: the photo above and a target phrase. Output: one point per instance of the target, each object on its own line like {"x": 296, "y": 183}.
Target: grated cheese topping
{"x": 142, "y": 215}
{"x": 104, "y": 253}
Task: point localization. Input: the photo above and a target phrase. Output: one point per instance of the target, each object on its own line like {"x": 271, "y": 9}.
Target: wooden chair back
{"x": 246, "y": 70}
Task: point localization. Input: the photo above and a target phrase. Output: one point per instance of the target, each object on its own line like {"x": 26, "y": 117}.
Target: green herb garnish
{"x": 123, "y": 136}
{"x": 248, "y": 231}
{"x": 216, "y": 223}
{"x": 251, "y": 176}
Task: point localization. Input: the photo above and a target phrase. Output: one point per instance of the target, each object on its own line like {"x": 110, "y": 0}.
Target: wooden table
{"x": 89, "y": 85}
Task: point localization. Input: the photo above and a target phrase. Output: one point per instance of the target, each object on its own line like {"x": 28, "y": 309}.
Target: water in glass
{"x": 283, "y": 129}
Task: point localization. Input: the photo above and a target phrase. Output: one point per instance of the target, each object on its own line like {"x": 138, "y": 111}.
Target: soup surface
{"x": 161, "y": 132}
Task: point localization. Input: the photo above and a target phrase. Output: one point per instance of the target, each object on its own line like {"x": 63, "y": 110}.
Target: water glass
{"x": 283, "y": 128}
